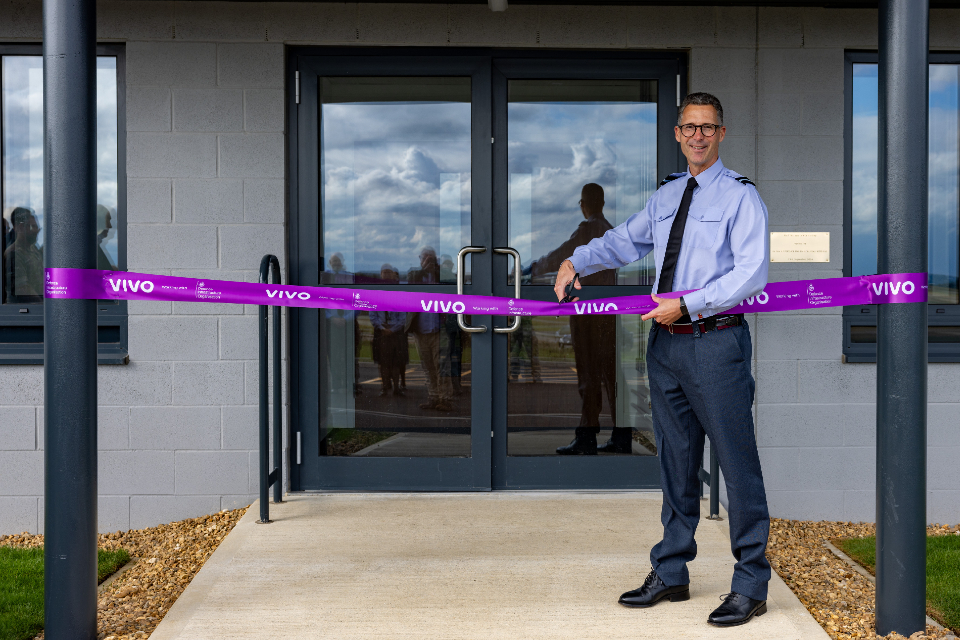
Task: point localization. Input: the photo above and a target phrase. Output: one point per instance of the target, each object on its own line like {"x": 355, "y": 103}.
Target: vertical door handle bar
{"x": 460, "y": 269}
{"x": 516, "y": 287}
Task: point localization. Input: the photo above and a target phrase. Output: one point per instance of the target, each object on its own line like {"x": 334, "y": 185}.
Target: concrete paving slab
{"x": 485, "y": 565}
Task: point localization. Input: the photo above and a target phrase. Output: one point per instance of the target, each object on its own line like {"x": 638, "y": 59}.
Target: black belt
{"x": 707, "y": 324}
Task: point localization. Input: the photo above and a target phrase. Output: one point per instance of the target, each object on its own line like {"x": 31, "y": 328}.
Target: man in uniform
{"x": 707, "y": 228}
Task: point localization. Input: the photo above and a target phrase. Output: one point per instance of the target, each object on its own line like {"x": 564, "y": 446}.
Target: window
{"x": 862, "y": 91}
{"x": 22, "y": 210}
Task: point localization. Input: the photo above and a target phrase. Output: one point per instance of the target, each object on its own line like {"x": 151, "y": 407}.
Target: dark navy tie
{"x": 676, "y": 237}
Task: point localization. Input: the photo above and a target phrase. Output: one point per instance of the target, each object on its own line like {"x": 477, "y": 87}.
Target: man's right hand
{"x": 564, "y": 277}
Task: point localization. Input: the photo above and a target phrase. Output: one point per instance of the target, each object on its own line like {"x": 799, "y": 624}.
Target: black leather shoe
{"x": 736, "y": 609}
{"x": 582, "y": 445}
{"x": 653, "y": 591}
{"x": 611, "y": 446}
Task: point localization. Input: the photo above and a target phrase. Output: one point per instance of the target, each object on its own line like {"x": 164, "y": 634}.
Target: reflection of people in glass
{"x": 339, "y": 318}
{"x": 104, "y": 227}
{"x": 389, "y": 340}
{"x": 426, "y": 330}
{"x": 446, "y": 269}
{"x": 524, "y": 339}
{"x": 594, "y": 337}
{"x": 23, "y": 260}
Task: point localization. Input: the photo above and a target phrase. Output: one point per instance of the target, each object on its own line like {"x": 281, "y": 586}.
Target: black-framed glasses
{"x": 708, "y": 130}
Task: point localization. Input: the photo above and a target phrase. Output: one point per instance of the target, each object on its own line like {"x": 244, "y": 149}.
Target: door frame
{"x": 488, "y": 467}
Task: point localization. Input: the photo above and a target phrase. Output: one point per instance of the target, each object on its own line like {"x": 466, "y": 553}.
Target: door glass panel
{"x": 565, "y": 134}
{"x": 395, "y": 165}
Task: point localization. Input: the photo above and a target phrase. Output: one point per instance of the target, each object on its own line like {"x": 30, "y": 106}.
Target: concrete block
{"x": 171, "y": 155}
{"x": 131, "y": 20}
{"x": 859, "y": 424}
{"x": 943, "y": 424}
{"x": 148, "y": 307}
{"x": 241, "y": 245}
{"x": 943, "y": 380}
{"x": 208, "y": 201}
{"x": 180, "y": 246}
{"x": 806, "y": 505}
{"x": 174, "y": 428}
{"x": 776, "y": 381}
{"x": 798, "y": 425}
{"x": 780, "y": 27}
{"x": 739, "y": 112}
{"x": 408, "y": 24}
{"x": 138, "y": 383}
{"x": 829, "y": 381}
{"x": 943, "y": 507}
{"x": 782, "y": 198}
{"x": 781, "y": 467}
{"x": 740, "y": 154}
{"x": 848, "y": 28}
{"x": 586, "y": 26}
{"x": 218, "y": 21}
{"x": 135, "y": 472}
{"x": 236, "y": 502}
{"x": 207, "y": 383}
{"x": 658, "y": 27}
{"x": 250, "y": 65}
{"x": 784, "y": 337}
{"x": 801, "y": 157}
{"x": 323, "y": 22}
{"x": 173, "y": 338}
{"x": 735, "y": 26}
{"x": 779, "y": 114}
{"x": 149, "y": 201}
{"x": 252, "y": 155}
{"x": 18, "y": 429}
{"x": 222, "y": 472}
{"x": 941, "y": 468}
{"x": 944, "y": 27}
{"x": 476, "y": 24}
{"x": 148, "y": 108}
{"x": 241, "y": 428}
{"x": 791, "y": 70}
{"x": 859, "y": 467}
{"x": 18, "y": 515}
{"x": 253, "y": 465}
{"x": 714, "y": 69}
{"x": 239, "y": 338}
{"x": 821, "y": 468}
{"x": 21, "y": 473}
{"x": 113, "y": 428}
{"x": 203, "y": 109}
{"x": 264, "y": 201}
{"x": 263, "y": 110}
{"x": 22, "y": 385}
{"x": 252, "y": 383}
{"x": 22, "y": 19}
{"x": 821, "y": 113}
{"x": 149, "y": 511}
{"x": 172, "y": 63}
{"x": 821, "y": 203}
{"x": 860, "y": 506}
{"x": 113, "y": 513}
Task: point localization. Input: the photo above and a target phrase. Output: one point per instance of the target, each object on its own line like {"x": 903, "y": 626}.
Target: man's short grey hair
{"x": 701, "y": 100}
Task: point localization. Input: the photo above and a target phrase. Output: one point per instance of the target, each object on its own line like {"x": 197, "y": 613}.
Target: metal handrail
{"x": 712, "y": 480}
{"x": 270, "y": 477}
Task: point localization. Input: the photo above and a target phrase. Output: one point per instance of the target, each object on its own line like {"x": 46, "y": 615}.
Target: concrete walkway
{"x": 488, "y": 565}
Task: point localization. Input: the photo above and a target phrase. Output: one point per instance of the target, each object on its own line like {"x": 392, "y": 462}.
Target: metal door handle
{"x": 460, "y": 269}
{"x": 516, "y": 287}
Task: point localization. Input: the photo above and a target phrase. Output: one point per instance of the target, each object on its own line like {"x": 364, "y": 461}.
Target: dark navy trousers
{"x": 702, "y": 384}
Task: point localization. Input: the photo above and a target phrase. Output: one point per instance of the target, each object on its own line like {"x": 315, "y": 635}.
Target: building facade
{"x": 349, "y": 140}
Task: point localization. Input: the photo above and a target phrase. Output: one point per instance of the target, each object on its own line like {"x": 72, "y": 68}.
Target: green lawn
{"x": 21, "y": 588}
{"x": 943, "y": 573}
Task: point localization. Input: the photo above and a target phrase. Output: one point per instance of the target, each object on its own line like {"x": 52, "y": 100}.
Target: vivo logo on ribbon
{"x": 129, "y": 285}
{"x": 763, "y": 298}
{"x": 438, "y": 306}
{"x": 588, "y": 307}
{"x": 303, "y": 295}
{"x": 886, "y": 288}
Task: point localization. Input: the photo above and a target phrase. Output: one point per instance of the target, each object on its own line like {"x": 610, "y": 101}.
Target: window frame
{"x": 866, "y": 315}
{"x": 111, "y": 316}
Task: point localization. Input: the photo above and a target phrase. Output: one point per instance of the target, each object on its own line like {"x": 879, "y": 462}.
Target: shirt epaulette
{"x": 670, "y": 178}
{"x": 744, "y": 180}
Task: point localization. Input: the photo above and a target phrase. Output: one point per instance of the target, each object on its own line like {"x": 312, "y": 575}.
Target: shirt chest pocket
{"x": 703, "y": 226}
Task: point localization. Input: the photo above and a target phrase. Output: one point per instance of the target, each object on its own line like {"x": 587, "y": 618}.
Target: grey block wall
{"x": 206, "y": 191}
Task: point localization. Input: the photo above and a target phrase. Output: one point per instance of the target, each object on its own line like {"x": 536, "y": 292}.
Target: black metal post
{"x": 70, "y": 331}
{"x": 270, "y": 264}
{"x": 902, "y": 328}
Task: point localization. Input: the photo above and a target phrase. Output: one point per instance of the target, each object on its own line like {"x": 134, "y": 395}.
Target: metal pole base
{"x": 264, "y": 521}
{"x": 716, "y": 517}
{"x": 279, "y": 502}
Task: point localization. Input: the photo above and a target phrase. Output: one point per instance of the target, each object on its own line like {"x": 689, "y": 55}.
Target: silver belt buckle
{"x": 670, "y": 328}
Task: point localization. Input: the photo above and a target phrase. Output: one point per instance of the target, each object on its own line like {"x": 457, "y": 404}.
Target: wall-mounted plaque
{"x": 796, "y": 246}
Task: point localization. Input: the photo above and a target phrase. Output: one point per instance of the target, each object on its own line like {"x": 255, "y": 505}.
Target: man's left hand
{"x": 667, "y": 311}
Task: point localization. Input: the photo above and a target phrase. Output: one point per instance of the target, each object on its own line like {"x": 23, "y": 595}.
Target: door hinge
{"x": 678, "y": 90}
{"x": 491, "y": 434}
{"x": 298, "y": 447}
{"x": 491, "y": 140}
{"x": 296, "y": 84}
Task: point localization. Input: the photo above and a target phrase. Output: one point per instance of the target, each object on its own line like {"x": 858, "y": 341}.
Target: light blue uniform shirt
{"x": 724, "y": 254}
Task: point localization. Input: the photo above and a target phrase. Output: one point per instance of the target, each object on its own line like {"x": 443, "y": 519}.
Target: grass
{"x": 943, "y": 573}
{"x": 21, "y": 588}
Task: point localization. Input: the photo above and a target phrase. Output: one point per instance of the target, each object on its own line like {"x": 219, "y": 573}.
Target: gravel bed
{"x": 168, "y": 556}
{"x": 838, "y": 597}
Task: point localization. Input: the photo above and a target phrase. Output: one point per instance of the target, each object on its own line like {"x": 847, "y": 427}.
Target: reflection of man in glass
{"x": 594, "y": 337}
{"x": 23, "y": 260}
{"x": 426, "y": 330}
{"x": 339, "y": 318}
{"x": 524, "y": 339}
{"x": 389, "y": 340}
{"x": 104, "y": 227}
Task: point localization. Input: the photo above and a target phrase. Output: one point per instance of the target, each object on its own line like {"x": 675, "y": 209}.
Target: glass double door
{"x": 479, "y": 175}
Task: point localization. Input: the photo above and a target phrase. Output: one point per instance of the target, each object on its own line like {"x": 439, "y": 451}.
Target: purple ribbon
{"x": 776, "y": 296}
